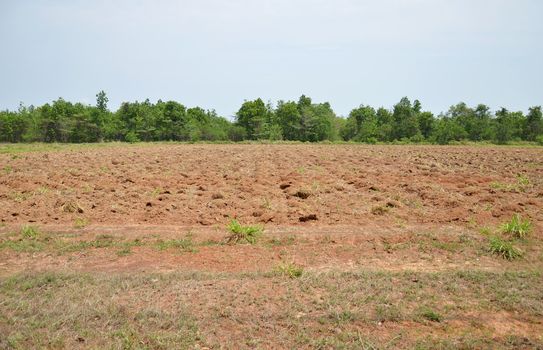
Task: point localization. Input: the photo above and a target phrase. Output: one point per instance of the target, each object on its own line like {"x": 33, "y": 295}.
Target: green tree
{"x": 385, "y": 124}
{"x": 316, "y": 121}
{"x": 252, "y": 116}
{"x": 534, "y": 124}
{"x": 365, "y": 123}
{"x": 447, "y": 129}
{"x": 101, "y": 101}
{"x": 509, "y": 125}
{"x": 426, "y": 123}
{"x": 405, "y": 120}
{"x": 289, "y": 118}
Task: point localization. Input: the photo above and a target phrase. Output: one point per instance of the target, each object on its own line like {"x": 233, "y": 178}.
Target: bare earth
{"x": 385, "y": 235}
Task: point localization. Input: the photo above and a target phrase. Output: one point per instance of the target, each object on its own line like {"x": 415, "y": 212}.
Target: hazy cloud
{"x": 216, "y": 53}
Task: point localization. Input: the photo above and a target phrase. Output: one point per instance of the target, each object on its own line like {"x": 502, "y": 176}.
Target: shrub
{"x": 517, "y": 227}
{"x": 504, "y": 249}
{"x": 131, "y": 137}
{"x": 243, "y": 234}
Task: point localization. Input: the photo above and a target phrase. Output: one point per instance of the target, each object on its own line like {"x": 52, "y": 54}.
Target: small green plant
{"x": 485, "y": 231}
{"x": 430, "y": 315}
{"x": 380, "y": 210}
{"x": 42, "y": 190}
{"x": 523, "y": 181}
{"x": 503, "y": 248}
{"x": 289, "y": 269}
{"x": 124, "y": 251}
{"x": 243, "y": 234}
{"x": 30, "y": 232}
{"x": 388, "y": 313}
{"x": 289, "y": 240}
{"x": 520, "y": 186}
{"x": 30, "y": 240}
{"x": 266, "y": 204}
{"x": 342, "y": 317}
{"x": 517, "y": 227}
{"x": 80, "y": 222}
{"x": 156, "y": 192}
{"x": 184, "y": 244}
{"x": 103, "y": 241}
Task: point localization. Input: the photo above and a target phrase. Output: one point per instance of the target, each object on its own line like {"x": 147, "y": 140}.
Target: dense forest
{"x": 302, "y": 120}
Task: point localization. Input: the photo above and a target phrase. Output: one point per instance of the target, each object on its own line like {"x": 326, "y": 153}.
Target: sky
{"x": 218, "y": 53}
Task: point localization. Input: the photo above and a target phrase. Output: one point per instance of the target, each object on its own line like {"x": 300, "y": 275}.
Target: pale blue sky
{"x": 216, "y": 53}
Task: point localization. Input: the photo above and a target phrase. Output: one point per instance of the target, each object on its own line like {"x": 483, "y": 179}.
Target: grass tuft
{"x": 243, "y": 234}
{"x": 431, "y": 315}
{"x": 185, "y": 244}
{"x": 30, "y": 232}
{"x": 517, "y": 227}
{"x": 503, "y": 248}
{"x": 80, "y": 222}
{"x": 289, "y": 269}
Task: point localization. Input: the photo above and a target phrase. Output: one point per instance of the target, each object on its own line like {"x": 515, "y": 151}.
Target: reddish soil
{"x": 325, "y": 208}
{"x": 381, "y": 207}
{"x": 273, "y": 184}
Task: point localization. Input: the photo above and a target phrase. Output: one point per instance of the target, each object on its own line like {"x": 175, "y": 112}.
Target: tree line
{"x": 302, "y": 120}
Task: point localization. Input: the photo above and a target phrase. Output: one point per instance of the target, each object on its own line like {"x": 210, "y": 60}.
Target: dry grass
{"x": 321, "y": 310}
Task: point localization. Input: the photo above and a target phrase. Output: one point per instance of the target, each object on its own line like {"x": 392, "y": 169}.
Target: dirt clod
{"x": 310, "y": 217}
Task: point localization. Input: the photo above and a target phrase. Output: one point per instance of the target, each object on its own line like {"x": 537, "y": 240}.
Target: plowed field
{"x": 126, "y": 246}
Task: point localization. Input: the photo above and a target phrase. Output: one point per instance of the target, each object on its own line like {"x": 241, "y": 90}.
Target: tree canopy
{"x": 301, "y": 120}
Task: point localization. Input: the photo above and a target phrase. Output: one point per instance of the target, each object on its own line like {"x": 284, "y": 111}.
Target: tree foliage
{"x": 302, "y": 120}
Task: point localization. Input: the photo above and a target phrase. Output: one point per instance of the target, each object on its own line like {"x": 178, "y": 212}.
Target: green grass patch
{"x": 243, "y": 234}
{"x": 185, "y": 244}
{"x": 504, "y": 248}
{"x": 30, "y": 232}
{"x": 521, "y": 185}
{"x": 517, "y": 227}
{"x": 80, "y": 222}
{"x": 289, "y": 269}
{"x": 430, "y": 315}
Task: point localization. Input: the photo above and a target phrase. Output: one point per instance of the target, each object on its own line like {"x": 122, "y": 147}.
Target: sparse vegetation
{"x": 388, "y": 313}
{"x": 30, "y": 232}
{"x": 521, "y": 185}
{"x": 485, "y": 231}
{"x": 289, "y": 269}
{"x": 80, "y": 222}
{"x": 243, "y": 234}
{"x": 380, "y": 210}
{"x": 421, "y": 275}
{"x": 185, "y": 244}
{"x": 504, "y": 248}
{"x": 124, "y": 251}
{"x": 430, "y": 315}
{"x": 517, "y": 227}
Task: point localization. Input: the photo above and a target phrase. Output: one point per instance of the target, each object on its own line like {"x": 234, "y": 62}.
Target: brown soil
{"x": 323, "y": 207}
{"x": 272, "y": 184}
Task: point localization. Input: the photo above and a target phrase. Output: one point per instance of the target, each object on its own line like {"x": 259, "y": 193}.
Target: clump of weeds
{"x": 517, "y": 227}
{"x": 289, "y": 269}
{"x": 243, "y": 234}
{"x": 504, "y": 248}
